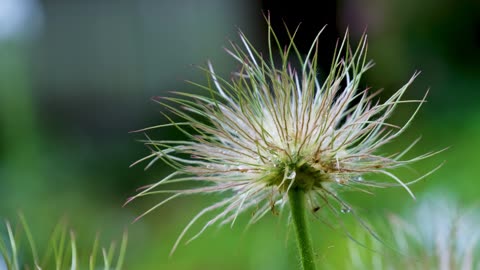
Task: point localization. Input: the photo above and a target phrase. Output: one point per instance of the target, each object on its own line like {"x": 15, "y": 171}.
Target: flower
{"x": 273, "y": 128}
{"x": 437, "y": 234}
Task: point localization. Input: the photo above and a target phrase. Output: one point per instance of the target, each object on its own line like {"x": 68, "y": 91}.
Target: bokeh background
{"x": 77, "y": 76}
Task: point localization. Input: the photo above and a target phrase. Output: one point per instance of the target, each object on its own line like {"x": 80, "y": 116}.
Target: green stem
{"x": 304, "y": 241}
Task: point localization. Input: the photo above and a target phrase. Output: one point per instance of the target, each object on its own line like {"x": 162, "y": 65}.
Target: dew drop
{"x": 358, "y": 178}
{"x": 346, "y": 210}
{"x": 292, "y": 175}
{"x": 339, "y": 180}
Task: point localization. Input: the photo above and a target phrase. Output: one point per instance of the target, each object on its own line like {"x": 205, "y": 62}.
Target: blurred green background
{"x": 77, "y": 76}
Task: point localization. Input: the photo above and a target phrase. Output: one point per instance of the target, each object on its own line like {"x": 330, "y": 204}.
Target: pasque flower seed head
{"x": 275, "y": 127}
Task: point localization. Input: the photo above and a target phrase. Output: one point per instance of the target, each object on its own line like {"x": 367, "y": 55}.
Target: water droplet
{"x": 339, "y": 180}
{"x": 292, "y": 175}
{"x": 346, "y": 210}
{"x": 358, "y": 178}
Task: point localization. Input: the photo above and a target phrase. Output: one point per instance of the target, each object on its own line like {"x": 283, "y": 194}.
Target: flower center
{"x": 304, "y": 177}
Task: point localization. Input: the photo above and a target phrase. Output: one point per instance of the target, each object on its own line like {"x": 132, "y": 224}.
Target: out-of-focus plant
{"x": 61, "y": 252}
{"x": 437, "y": 235}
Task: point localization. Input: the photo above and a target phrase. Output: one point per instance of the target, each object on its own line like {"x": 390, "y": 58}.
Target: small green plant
{"x": 61, "y": 252}
{"x": 277, "y": 135}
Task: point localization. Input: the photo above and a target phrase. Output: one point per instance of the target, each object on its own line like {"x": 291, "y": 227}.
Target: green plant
{"x": 61, "y": 252}
{"x": 437, "y": 234}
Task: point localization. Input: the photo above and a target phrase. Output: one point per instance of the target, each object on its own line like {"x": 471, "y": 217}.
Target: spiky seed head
{"x": 272, "y": 128}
